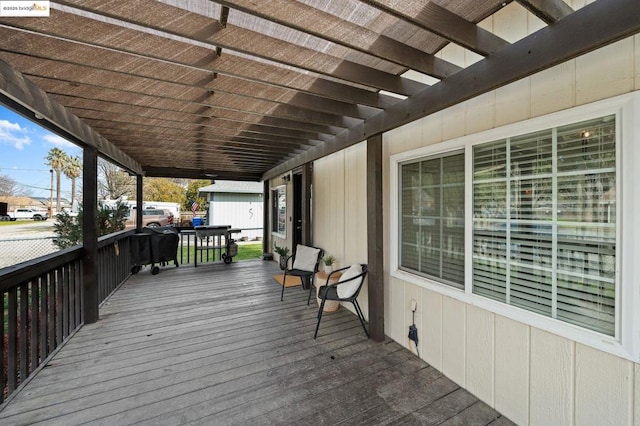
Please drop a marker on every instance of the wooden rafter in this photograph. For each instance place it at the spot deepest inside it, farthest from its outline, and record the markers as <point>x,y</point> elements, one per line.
<point>549,11</point>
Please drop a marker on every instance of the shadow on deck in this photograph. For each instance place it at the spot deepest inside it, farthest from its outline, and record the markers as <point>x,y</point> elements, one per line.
<point>214,345</point>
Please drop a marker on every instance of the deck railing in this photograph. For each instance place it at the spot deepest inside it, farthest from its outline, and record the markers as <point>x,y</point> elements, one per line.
<point>41,300</point>
<point>41,305</point>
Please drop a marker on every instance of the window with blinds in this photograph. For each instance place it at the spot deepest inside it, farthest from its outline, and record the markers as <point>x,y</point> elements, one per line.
<point>544,222</point>
<point>432,218</point>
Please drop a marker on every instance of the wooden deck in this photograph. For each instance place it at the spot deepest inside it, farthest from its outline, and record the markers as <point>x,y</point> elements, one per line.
<point>214,345</point>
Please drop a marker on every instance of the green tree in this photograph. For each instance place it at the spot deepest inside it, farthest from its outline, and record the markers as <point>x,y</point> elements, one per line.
<point>68,229</point>
<point>56,159</point>
<point>161,189</point>
<point>192,194</point>
<point>72,169</point>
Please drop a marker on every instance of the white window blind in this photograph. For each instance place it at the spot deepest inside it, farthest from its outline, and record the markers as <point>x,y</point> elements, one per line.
<point>432,218</point>
<point>544,232</point>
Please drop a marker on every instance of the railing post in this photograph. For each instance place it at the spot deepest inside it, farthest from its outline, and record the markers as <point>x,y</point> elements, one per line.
<point>90,298</point>
<point>139,203</point>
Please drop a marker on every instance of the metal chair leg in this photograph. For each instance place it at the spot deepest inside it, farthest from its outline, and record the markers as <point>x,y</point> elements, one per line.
<point>360,316</point>
<point>284,281</point>
<point>319,318</point>
<point>311,286</point>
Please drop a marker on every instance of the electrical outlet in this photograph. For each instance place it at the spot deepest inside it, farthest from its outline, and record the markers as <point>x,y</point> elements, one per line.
<point>414,305</point>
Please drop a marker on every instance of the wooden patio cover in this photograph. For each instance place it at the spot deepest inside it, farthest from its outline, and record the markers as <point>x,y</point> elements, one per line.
<point>247,90</point>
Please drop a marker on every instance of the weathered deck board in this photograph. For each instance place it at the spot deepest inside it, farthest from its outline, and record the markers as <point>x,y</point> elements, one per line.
<point>214,345</point>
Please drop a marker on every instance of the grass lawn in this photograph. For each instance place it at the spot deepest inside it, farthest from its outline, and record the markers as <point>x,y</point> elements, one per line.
<point>249,252</point>
<point>14,222</point>
<point>245,252</point>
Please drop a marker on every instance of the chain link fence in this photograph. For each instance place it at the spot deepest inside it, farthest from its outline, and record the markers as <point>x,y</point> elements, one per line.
<point>17,250</point>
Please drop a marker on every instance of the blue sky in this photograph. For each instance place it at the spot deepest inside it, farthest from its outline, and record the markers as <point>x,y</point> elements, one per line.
<point>23,148</point>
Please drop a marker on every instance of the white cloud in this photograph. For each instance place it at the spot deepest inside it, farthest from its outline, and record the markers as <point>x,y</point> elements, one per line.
<point>14,135</point>
<point>59,141</point>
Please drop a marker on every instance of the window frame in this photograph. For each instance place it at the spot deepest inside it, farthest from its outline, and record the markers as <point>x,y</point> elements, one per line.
<point>626,341</point>
<point>441,186</point>
<point>276,230</point>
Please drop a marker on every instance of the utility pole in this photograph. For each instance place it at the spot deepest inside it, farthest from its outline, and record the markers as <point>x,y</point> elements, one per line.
<point>51,195</point>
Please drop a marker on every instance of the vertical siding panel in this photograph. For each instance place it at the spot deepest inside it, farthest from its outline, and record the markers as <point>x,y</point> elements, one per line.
<point>355,203</point>
<point>339,213</point>
<point>479,113</point>
<point>432,129</point>
<point>430,330</point>
<point>512,102</point>
<point>636,395</point>
<point>393,310</point>
<point>480,345</point>
<point>453,53</point>
<point>604,388</point>
<point>552,378</point>
<point>412,292</point>
<point>605,72</point>
<point>451,119</point>
<point>453,340</point>
<point>404,138</point>
<point>554,89</point>
<point>511,23</point>
<point>636,62</point>
<point>321,189</point>
<point>512,370</point>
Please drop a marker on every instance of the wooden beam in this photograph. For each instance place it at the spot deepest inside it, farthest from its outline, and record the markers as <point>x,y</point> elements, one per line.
<point>24,97</point>
<point>375,240</point>
<point>233,66</point>
<point>247,42</point>
<point>550,11</point>
<point>116,77</point>
<point>608,21</point>
<point>200,174</point>
<point>384,47</point>
<point>441,21</point>
<point>90,290</point>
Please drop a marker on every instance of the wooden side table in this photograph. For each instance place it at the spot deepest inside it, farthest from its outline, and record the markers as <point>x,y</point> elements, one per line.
<point>321,280</point>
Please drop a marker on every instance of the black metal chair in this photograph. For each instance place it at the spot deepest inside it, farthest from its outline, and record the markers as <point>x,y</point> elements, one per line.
<point>345,290</point>
<point>304,264</point>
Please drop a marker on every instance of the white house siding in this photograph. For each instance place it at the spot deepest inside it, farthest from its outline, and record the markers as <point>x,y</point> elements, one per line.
<point>530,375</point>
<point>340,208</point>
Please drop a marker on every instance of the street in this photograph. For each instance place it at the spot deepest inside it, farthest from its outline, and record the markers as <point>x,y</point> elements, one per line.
<point>20,242</point>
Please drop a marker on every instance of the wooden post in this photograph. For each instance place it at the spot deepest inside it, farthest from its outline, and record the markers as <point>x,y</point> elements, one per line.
<point>266,248</point>
<point>90,235</point>
<point>375,242</point>
<point>139,203</point>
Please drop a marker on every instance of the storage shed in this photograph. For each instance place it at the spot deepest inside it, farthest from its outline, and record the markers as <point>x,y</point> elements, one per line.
<point>235,203</point>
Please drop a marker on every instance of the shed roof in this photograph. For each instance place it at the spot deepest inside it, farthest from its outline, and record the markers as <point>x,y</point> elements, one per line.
<point>233,187</point>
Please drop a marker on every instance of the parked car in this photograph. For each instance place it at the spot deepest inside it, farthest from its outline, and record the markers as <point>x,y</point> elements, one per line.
<point>24,214</point>
<point>4,214</point>
<point>151,218</point>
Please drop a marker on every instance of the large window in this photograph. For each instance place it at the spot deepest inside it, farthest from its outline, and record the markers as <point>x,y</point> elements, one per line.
<point>544,232</point>
<point>432,224</point>
<point>522,223</point>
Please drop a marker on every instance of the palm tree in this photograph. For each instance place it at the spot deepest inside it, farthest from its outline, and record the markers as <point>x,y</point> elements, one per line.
<point>72,170</point>
<point>56,159</point>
